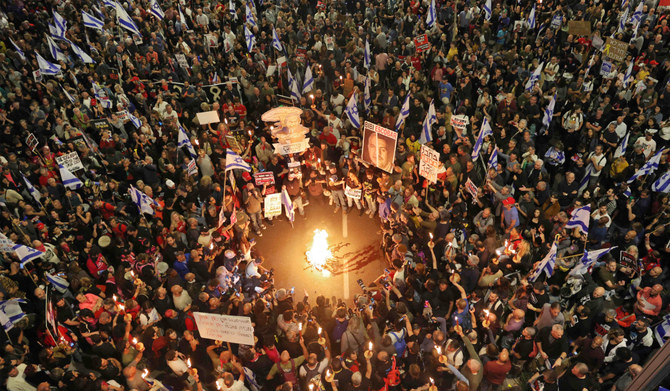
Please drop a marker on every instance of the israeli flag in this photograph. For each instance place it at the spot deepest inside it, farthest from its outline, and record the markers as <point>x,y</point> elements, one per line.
<point>47,68</point>
<point>25,253</point>
<point>622,22</point>
<point>83,56</point>
<point>97,10</point>
<point>18,50</point>
<point>555,156</point>
<point>58,282</point>
<point>531,18</point>
<point>366,55</point>
<point>308,84</point>
<point>142,201</point>
<point>662,331</point>
<point>404,113</point>
<point>484,131</point>
<point>288,205</point>
<point>109,3</point>
<point>431,118</point>
<point>546,265</point>
<point>69,180</point>
<point>125,20</point>
<point>276,43</point>
<point>580,219</point>
<point>101,96</point>
<point>623,145</point>
<point>549,112</point>
<point>235,161</point>
<point>367,99</point>
<point>135,121</point>
<point>91,21</point>
<point>432,13</point>
<point>662,185</point>
<point>61,26</point>
<point>649,167</point>
<point>250,38</point>
<point>587,261</point>
<point>534,77</point>
<point>11,313</point>
<point>31,189</point>
<point>67,94</point>
<point>182,19</point>
<point>293,85</point>
<point>250,17</point>
<point>352,111</point>
<point>628,75</point>
<point>56,53</point>
<point>637,14</point>
<point>493,159</point>
<point>231,8</point>
<point>584,183</point>
<point>156,10</point>
<point>185,141</point>
<point>487,9</point>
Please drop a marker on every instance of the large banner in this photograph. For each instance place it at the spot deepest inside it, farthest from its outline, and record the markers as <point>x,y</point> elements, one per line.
<point>227,328</point>
<point>379,146</point>
<point>285,149</point>
<point>213,91</point>
<point>429,163</point>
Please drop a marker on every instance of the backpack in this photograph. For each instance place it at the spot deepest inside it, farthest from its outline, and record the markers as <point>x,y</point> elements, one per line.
<point>289,375</point>
<point>400,345</point>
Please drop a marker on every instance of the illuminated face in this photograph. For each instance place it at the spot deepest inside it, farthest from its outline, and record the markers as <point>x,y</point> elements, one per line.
<point>378,151</point>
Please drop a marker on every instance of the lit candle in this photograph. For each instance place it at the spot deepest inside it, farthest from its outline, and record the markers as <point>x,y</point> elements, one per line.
<point>122,307</point>
<point>250,133</point>
<point>188,362</point>
<point>197,142</point>
<point>368,353</point>
<point>211,246</point>
<point>311,386</point>
<point>134,341</point>
<point>438,350</point>
<point>431,236</point>
<point>311,97</point>
<point>300,327</point>
<point>319,330</point>
<point>144,377</point>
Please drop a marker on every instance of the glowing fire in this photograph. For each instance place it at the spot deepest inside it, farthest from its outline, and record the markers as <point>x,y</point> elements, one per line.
<point>319,254</point>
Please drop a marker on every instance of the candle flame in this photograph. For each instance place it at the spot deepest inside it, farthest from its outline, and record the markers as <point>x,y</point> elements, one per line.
<point>319,330</point>
<point>146,372</point>
<point>211,246</point>
<point>439,350</point>
<point>370,346</point>
<point>311,386</point>
<point>114,297</point>
<point>431,380</point>
<point>122,307</point>
<point>431,236</point>
<point>300,326</point>
<point>134,341</point>
<point>188,362</point>
<point>218,386</point>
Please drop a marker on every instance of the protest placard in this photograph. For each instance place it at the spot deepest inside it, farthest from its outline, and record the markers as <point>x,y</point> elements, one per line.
<point>429,163</point>
<point>192,168</point>
<point>460,122</point>
<point>31,141</point>
<point>181,60</point>
<point>615,49</point>
<point>285,149</point>
<point>379,145</point>
<point>70,161</point>
<point>208,117</point>
<point>353,193</point>
<point>272,205</point>
<point>261,178</point>
<point>471,188</point>
<point>227,328</point>
<point>579,27</point>
<point>421,43</point>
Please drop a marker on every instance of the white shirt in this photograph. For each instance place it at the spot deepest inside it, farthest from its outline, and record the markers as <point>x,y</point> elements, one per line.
<point>600,160</point>
<point>18,382</point>
<point>597,216</point>
<point>237,386</point>
<point>620,129</point>
<point>178,366</point>
<point>648,146</point>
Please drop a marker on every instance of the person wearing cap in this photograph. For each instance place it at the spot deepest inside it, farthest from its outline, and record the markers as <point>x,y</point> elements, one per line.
<point>509,217</point>
<point>647,143</point>
<point>252,199</point>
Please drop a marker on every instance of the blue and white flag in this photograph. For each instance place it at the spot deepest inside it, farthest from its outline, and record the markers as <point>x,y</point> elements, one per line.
<point>18,50</point>
<point>143,201</point>
<point>67,94</point>
<point>628,75</point>
<point>637,14</point>
<point>584,183</point>
<point>134,120</point>
<point>249,38</point>
<point>26,254</point>
<point>31,189</point>
<point>426,129</point>
<point>59,283</point>
<point>235,161</point>
<point>649,167</point>
<point>292,85</point>
<point>546,265</point>
<point>352,111</point>
<point>431,17</point>
<point>47,68</point>
<point>11,313</point>
<point>488,10</point>
<point>531,18</point>
<point>125,20</point>
<point>662,184</point>
<point>534,77</point>
<point>288,205</point>
<point>623,145</point>
<point>56,53</point>
<point>185,141</point>
<point>549,112</point>
<point>156,10</point>
<point>250,16</point>
<point>91,21</point>
<point>404,113</point>
<point>81,54</point>
<point>182,19</point>
<point>493,159</point>
<point>61,26</point>
<point>366,55</point>
<point>554,156</point>
<point>587,261</point>
<point>580,219</point>
<point>69,180</point>
<point>484,131</point>
<point>109,3</point>
<point>276,43</point>
<point>622,21</point>
<point>367,99</point>
<point>231,8</point>
<point>308,84</point>
<point>662,331</point>
<point>101,16</point>
<point>101,96</point>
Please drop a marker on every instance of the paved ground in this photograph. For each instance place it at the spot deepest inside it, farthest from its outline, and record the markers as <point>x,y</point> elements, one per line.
<point>353,239</point>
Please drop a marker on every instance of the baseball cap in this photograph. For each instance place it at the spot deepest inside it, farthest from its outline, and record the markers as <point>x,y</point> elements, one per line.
<point>509,201</point>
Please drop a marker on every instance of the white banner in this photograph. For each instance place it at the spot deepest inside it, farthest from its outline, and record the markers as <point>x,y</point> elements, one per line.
<point>460,122</point>
<point>429,163</point>
<point>227,328</point>
<point>285,149</point>
<point>272,205</point>
<point>353,193</point>
<point>70,161</point>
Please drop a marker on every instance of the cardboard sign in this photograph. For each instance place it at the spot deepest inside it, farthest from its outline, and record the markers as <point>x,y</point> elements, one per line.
<point>285,149</point>
<point>227,328</point>
<point>208,117</point>
<point>460,122</point>
<point>615,49</point>
<point>605,68</point>
<point>353,193</point>
<point>70,161</point>
<point>421,43</point>
<point>272,205</point>
<point>379,146</point>
<point>628,260</point>
<point>429,163</point>
<point>37,75</point>
<point>181,60</point>
<point>123,115</point>
<point>579,27</point>
<point>6,245</point>
<point>271,70</point>
<point>261,178</point>
<point>192,167</point>
<point>32,141</point>
<point>100,124</point>
<point>471,188</point>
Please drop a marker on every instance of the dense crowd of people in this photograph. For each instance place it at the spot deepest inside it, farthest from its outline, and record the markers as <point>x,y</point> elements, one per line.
<point>483,289</point>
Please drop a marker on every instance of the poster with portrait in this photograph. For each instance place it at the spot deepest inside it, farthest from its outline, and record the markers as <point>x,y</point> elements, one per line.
<point>379,146</point>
